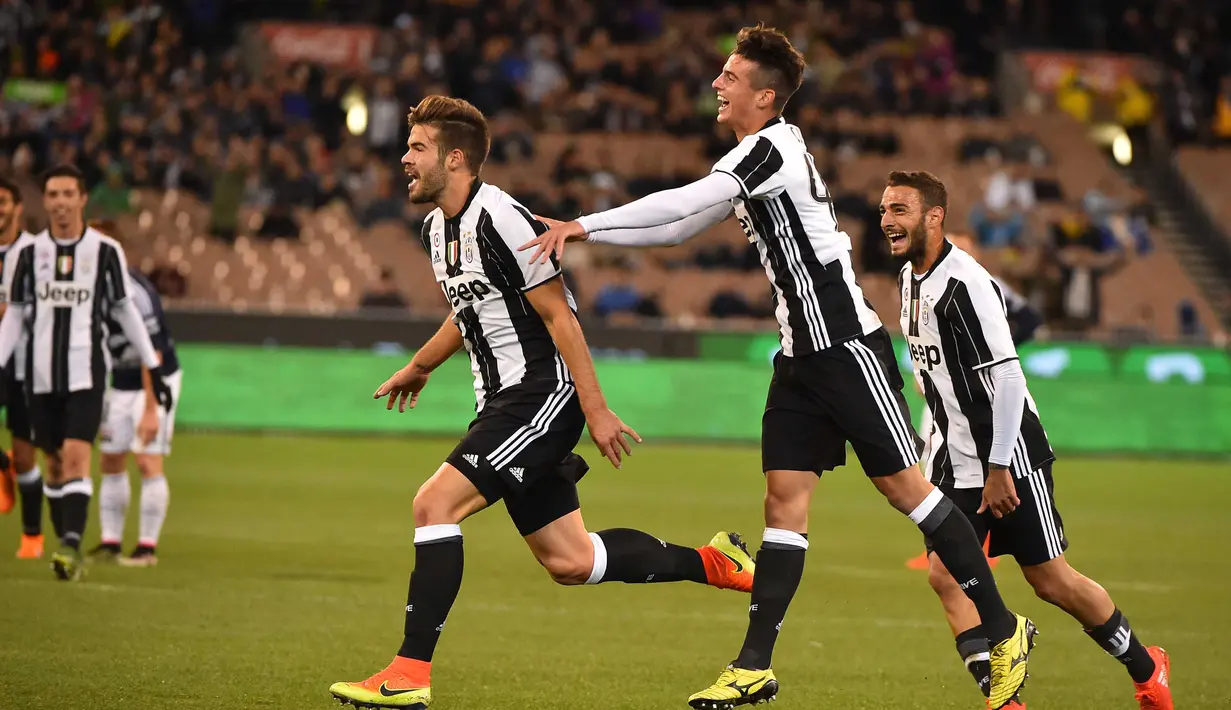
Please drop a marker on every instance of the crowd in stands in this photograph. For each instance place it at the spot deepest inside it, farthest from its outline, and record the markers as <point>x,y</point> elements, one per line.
<point>159,95</point>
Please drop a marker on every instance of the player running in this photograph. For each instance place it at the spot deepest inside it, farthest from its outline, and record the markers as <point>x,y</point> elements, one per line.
<point>64,282</point>
<point>535,389</point>
<point>836,379</point>
<point>989,452</point>
<point>133,422</point>
<point>1023,321</point>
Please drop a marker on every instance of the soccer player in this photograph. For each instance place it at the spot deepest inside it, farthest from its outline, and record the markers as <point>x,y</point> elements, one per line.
<point>133,422</point>
<point>989,452</point>
<point>23,469</point>
<point>535,389</point>
<point>1024,320</point>
<point>67,280</point>
<point>836,379</point>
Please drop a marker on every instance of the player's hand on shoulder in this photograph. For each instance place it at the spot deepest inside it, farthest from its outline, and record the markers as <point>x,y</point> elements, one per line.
<point>551,243</point>
<point>404,387</point>
<point>999,493</point>
<point>608,433</point>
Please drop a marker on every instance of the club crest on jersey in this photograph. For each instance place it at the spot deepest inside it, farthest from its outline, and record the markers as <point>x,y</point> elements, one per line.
<point>451,252</point>
<point>925,311</point>
<point>436,240</point>
<point>64,264</point>
<point>468,246</point>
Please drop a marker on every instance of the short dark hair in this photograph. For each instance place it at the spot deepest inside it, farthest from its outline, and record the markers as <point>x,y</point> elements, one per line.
<point>11,187</point>
<point>64,171</point>
<point>781,65</point>
<point>932,192</point>
<point>462,127</point>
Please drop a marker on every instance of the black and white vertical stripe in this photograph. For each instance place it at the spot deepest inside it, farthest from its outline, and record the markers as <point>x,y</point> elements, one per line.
<point>503,454</point>
<point>887,401</point>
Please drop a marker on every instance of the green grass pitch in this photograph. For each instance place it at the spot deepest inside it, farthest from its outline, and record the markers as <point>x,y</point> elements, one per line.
<point>285,560</point>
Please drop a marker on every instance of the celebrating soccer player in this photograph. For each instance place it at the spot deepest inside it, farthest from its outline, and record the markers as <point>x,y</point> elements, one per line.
<point>835,380</point>
<point>535,389</point>
<point>64,282</point>
<point>989,452</point>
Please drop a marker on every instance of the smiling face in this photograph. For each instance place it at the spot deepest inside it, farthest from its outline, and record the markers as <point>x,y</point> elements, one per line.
<point>10,213</point>
<point>424,163</point>
<point>903,220</point>
<point>65,202</point>
<point>739,101</point>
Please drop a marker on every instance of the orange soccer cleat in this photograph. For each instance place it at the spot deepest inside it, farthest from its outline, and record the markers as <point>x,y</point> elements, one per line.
<point>727,563</point>
<point>921,563</point>
<point>31,547</point>
<point>1014,704</point>
<point>8,493</point>
<point>1155,693</point>
<point>404,683</point>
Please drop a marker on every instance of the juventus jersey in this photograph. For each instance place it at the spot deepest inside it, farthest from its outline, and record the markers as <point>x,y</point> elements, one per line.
<point>125,359</point>
<point>787,212</point>
<point>68,288</point>
<point>484,278</point>
<point>8,265</point>
<point>954,319</point>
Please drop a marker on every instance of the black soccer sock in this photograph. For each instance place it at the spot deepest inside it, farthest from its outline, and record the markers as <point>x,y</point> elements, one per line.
<point>75,507</point>
<point>634,557</point>
<point>434,585</point>
<point>955,543</point>
<point>1117,638</point>
<point>972,646</point>
<point>30,486</point>
<point>780,566</point>
<point>55,503</point>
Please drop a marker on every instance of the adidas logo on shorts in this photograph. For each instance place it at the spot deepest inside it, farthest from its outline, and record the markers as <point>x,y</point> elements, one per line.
<point>517,472</point>
<point>472,459</point>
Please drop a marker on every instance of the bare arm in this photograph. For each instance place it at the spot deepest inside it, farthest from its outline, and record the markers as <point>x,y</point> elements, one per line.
<point>550,302</point>
<point>439,348</point>
<point>406,383</point>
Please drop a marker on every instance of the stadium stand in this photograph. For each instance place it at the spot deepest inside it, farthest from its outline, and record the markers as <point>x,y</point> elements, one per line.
<point>248,183</point>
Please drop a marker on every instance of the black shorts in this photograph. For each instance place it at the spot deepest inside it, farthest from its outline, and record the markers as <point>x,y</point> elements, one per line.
<point>520,449</point>
<point>1033,533</point>
<point>16,408</point>
<point>56,417</point>
<point>849,392</point>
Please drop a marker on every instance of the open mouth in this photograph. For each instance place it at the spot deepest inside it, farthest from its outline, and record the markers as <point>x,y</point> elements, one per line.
<point>897,239</point>
<point>723,104</point>
<point>413,180</point>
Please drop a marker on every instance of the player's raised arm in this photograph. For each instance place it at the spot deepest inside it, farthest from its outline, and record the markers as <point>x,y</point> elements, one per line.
<point>551,303</point>
<point>406,383</point>
<point>707,199</point>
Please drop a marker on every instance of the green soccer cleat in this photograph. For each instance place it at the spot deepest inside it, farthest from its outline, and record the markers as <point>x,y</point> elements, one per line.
<point>68,564</point>
<point>1008,661</point>
<point>737,686</point>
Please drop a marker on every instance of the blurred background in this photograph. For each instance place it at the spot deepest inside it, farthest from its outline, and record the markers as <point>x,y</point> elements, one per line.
<point>249,153</point>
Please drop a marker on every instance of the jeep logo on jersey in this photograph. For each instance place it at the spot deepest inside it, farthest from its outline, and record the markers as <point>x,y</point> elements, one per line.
<point>928,356</point>
<point>64,294</point>
<point>466,292</point>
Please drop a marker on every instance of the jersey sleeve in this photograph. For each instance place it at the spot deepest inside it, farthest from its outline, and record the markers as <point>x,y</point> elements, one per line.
<point>17,277</point>
<point>977,311</point>
<point>757,164</point>
<point>504,230</point>
<point>115,275</point>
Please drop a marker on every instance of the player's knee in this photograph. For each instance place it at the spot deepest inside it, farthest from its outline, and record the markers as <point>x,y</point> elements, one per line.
<point>786,508</point>
<point>1054,588</point>
<point>112,463</point>
<point>149,466</point>
<point>940,579</point>
<point>23,457</point>
<point>569,570</point>
<point>431,508</point>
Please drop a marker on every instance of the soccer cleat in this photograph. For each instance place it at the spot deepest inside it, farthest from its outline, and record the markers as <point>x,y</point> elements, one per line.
<point>727,562</point>
<point>737,686</point>
<point>105,552</point>
<point>68,564</point>
<point>922,564</point>
<point>1014,704</point>
<point>1008,660</point>
<point>1155,693</point>
<point>391,688</point>
<point>31,547</point>
<point>8,492</point>
<point>141,557</point>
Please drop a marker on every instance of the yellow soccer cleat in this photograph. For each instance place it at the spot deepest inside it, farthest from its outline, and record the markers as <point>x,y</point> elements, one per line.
<point>391,688</point>
<point>68,564</point>
<point>728,565</point>
<point>1008,660</point>
<point>737,686</point>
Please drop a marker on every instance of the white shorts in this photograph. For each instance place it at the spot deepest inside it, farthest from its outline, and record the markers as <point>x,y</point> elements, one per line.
<point>122,412</point>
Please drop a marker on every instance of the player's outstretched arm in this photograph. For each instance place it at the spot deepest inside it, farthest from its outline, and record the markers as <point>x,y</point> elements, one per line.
<point>715,190</point>
<point>405,384</point>
<point>605,427</point>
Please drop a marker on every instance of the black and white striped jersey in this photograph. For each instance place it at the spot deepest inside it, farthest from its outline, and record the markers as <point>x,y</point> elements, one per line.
<point>954,320</point>
<point>68,288</point>
<point>787,212</point>
<point>8,266</point>
<point>485,279</point>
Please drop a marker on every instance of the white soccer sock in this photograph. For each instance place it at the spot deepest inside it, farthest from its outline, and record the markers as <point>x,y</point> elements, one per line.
<point>155,497</point>
<point>114,495</point>
<point>600,560</point>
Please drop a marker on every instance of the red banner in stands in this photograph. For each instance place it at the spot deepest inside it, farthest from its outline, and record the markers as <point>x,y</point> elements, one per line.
<point>332,45</point>
<point>1101,72</point>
